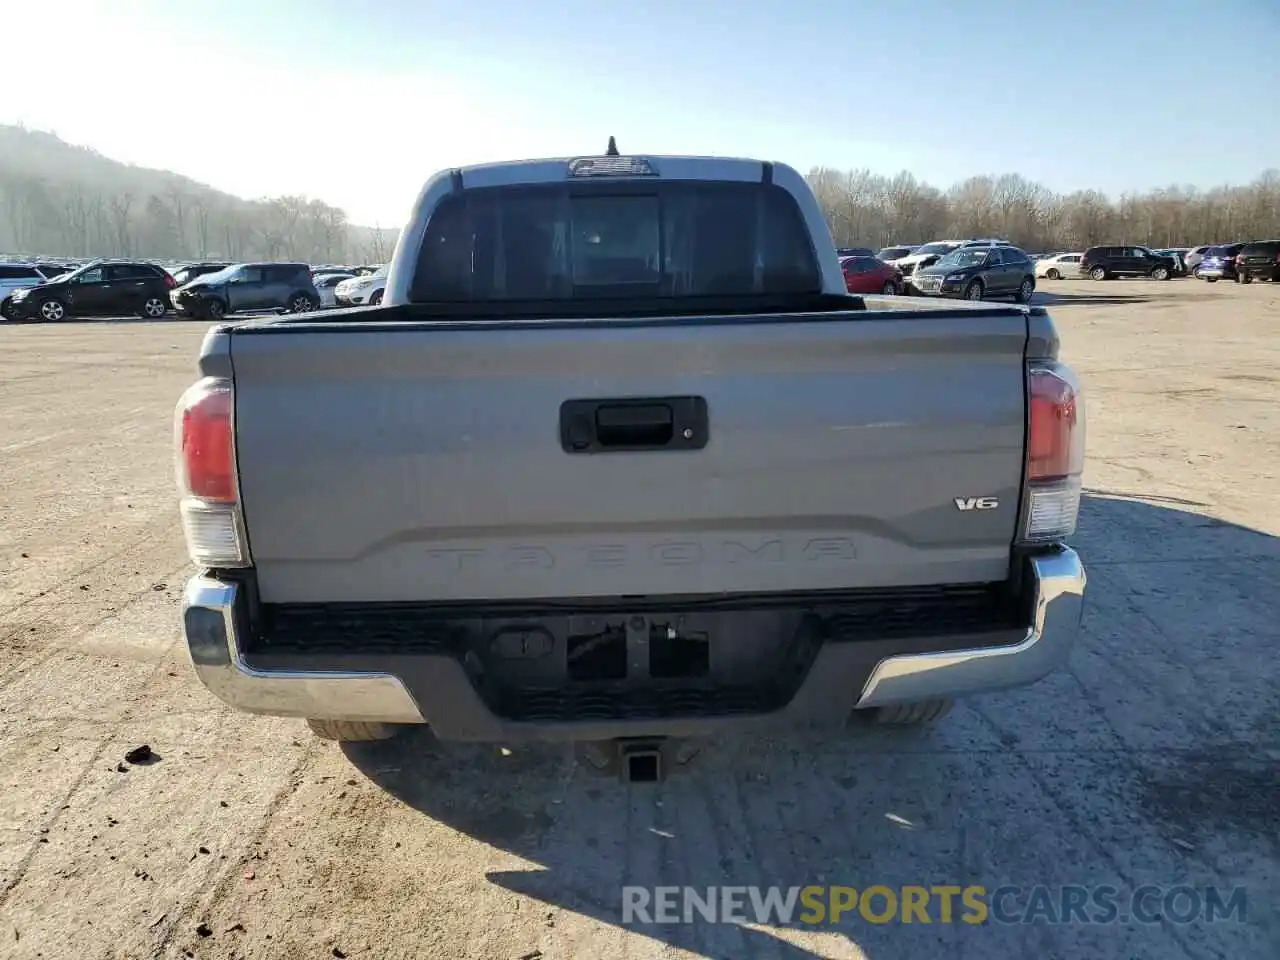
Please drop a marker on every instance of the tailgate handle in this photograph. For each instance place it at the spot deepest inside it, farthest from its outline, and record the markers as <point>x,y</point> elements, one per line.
<point>650,423</point>
<point>623,425</point>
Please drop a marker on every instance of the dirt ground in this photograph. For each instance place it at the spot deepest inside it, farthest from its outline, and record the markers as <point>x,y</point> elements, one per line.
<point>1154,758</point>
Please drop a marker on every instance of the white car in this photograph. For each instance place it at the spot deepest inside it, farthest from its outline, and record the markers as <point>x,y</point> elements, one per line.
<point>926,255</point>
<point>361,291</point>
<point>1058,266</point>
<point>327,285</point>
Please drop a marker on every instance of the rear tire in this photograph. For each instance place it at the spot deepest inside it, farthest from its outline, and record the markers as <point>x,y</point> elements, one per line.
<point>1053,275</point>
<point>1098,273</point>
<point>301,303</point>
<point>153,308</point>
<point>912,714</point>
<point>347,731</point>
<point>1210,279</point>
<point>1244,278</point>
<point>1196,272</point>
<point>1159,273</point>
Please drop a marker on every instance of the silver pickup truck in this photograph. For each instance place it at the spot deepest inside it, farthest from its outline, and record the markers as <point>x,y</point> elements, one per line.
<point>618,462</point>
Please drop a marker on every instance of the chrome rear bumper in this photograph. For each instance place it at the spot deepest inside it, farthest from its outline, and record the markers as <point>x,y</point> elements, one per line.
<point>215,618</point>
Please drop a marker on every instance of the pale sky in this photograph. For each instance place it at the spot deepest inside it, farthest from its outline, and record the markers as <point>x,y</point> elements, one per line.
<point>358,103</point>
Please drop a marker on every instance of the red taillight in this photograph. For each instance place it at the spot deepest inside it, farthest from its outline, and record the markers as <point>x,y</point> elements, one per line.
<point>1239,259</point>
<point>206,468</point>
<point>170,282</point>
<point>208,451</point>
<point>1055,453</point>
<point>1053,449</point>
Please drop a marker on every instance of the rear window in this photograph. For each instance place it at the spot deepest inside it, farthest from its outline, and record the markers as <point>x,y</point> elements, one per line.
<point>8,272</point>
<point>613,241</point>
<point>894,253</point>
<point>287,273</point>
<point>858,264</point>
<point>1267,247</point>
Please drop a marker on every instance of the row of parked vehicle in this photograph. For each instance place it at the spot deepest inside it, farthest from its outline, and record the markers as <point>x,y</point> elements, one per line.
<point>967,269</point>
<point>1245,262</point>
<point>207,290</point>
<point>1003,269</point>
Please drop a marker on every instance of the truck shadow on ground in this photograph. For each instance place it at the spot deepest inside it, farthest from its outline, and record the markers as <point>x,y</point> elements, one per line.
<point>1043,298</point>
<point>994,794</point>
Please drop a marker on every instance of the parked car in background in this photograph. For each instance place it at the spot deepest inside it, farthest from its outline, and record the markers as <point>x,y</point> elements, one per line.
<point>855,252</point>
<point>283,287</point>
<point>1059,265</point>
<point>1176,255</point>
<point>1219,263</point>
<point>188,272</point>
<point>326,283</point>
<point>1259,261</point>
<point>1107,263</point>
<point>1193,257</point>
<point>925,255</point>
<point>16,276</point>
<point>362,291</point>
<point>51,270</point>
<point>870,275</point>
<point>102,288</point>
<point>977,273</point>
<point>891,254</point>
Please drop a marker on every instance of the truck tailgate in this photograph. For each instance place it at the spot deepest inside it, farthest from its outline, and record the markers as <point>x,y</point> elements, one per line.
<point>418,462</point>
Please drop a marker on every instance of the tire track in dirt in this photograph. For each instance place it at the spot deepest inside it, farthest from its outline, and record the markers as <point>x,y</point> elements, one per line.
<point>67,614</point>
<point>205,903</point>
<point>63,641</point>
<point>152,531</point>
<point>140,685</point>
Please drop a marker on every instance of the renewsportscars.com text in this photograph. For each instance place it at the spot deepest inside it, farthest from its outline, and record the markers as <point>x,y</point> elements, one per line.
<point>940,903</point>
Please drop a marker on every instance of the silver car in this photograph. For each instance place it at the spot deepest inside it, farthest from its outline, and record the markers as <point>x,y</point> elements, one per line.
<point>1191,259</point>
<point>16,276</point>
<point>326,284</point>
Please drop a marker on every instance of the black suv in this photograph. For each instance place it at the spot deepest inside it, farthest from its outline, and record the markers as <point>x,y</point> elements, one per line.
<point>976,273</point>
<point>188,272</point>
<point>284,287</point>
<point>1259,261</point>
<point>1106,263</point>
<point>103,288</point>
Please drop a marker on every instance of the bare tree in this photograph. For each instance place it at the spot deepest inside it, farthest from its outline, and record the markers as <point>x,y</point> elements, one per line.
<point>378,245</point>
<point>200,213</point>
<point>57,199</point>
<point>865,209</point>
<point>120,205</point>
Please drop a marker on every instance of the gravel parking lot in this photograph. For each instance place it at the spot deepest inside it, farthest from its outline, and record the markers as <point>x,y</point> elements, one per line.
<point>1154,759</point>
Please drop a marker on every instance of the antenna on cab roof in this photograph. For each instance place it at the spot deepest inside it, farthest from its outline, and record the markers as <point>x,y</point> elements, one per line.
<point>612,150</point>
